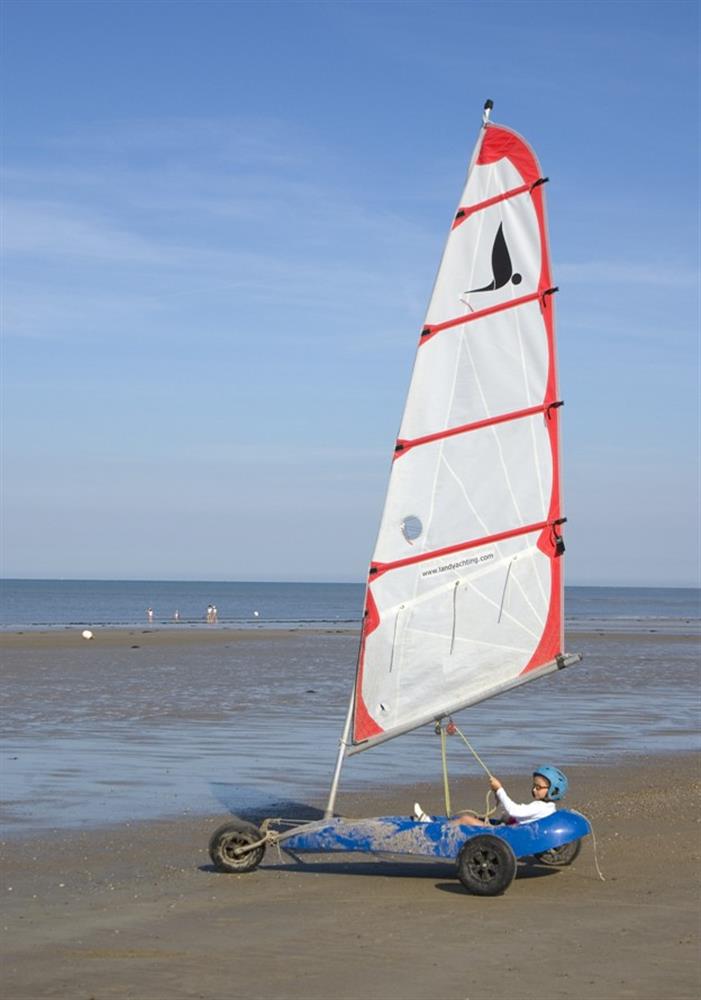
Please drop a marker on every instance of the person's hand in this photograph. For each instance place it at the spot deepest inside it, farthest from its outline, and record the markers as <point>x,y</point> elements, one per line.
<point>494,784</point>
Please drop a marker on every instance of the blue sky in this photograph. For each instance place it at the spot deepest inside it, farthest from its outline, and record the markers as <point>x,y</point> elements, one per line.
<point>222,223</point>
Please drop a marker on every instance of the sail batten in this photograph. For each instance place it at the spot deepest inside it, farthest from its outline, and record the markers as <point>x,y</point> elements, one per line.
<point>464,592</point>
<point>465,210</point>
<point>500,536</point>
<point>403,446</point>
<point>430,330</point>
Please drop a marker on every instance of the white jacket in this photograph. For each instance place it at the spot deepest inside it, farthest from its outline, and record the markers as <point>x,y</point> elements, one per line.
<point>525,812</point>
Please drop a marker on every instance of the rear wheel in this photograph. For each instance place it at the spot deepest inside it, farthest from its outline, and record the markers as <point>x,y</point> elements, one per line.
<point>486,865</point>
<point>560,857</point>
<point>226,843</point>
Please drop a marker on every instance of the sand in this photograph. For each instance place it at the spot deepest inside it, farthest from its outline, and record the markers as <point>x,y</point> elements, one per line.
<point>137,912</point>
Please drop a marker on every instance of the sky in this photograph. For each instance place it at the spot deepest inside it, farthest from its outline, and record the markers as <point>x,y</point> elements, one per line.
<point>221,226</point>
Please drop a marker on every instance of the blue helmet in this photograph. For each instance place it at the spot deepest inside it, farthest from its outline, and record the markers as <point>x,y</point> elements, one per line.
<point>558,782</point>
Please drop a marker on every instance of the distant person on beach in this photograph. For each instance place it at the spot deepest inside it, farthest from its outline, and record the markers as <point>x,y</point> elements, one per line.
<point>549,786</point>
<point>214,614</point>
<point>210,614</point>
<point>176,615</point>
<point>149,614</point>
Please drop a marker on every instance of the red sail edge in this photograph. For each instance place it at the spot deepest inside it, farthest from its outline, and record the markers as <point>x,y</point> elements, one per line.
<point>499,143</point>
<point>364,726</point>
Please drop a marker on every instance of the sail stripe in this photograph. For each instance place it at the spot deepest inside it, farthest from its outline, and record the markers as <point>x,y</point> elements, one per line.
<point>376,569</point>
<point>430,330</point>
<point>403,445</point>
<point>465,211</point>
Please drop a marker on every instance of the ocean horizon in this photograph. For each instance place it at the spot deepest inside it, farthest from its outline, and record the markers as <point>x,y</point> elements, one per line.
<point>29,603</point>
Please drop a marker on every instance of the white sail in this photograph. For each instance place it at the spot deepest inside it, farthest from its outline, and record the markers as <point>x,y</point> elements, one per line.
<point>464,595</point>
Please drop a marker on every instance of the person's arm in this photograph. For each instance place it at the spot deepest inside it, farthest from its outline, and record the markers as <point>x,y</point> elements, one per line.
<point>521,811</point>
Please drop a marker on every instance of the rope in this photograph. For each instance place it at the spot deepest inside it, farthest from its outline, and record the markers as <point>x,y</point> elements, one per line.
<point>489,809</point>
<point>596,859</point>
<point>473,751</point>
<point>446,785</point>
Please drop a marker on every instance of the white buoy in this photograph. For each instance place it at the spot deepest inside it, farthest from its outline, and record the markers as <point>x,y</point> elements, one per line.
<point>87,634</point>
<point>256,614</point>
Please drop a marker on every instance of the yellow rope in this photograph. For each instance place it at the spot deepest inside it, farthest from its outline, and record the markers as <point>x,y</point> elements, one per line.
<point>446,784</point>
<point>473,751</point>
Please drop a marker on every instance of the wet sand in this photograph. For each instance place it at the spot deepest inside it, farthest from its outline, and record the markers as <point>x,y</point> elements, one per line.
<point>141,723</point>
<point>126,638</point>
<point>64,637</point>
<point>136,911</point>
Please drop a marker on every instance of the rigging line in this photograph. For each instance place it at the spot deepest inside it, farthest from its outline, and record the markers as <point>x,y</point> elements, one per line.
<point>503,593</point>
<point>444,758</point>
<point>473,751</point>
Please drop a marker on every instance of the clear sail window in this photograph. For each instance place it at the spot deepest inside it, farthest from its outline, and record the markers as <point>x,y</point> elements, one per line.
<point>412,528</point>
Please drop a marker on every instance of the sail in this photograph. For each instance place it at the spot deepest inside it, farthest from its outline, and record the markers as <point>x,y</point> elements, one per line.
<point>464,594</point>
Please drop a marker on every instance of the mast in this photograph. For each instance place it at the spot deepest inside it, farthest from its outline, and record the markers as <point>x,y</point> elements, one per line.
<point>331,803</point>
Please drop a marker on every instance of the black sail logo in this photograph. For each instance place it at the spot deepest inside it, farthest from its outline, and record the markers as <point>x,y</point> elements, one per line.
<point>502,268</point>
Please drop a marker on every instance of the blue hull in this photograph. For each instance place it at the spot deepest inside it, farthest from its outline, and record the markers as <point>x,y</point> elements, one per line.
<point>438,839</point>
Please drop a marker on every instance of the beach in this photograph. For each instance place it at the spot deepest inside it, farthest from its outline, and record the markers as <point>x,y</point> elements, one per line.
<point>137,911</point>
<point>108,887</point>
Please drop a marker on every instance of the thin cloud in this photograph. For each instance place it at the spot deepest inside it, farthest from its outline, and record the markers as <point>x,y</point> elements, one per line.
<point>646,273</point>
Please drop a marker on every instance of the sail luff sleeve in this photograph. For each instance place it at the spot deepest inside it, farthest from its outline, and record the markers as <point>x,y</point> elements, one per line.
<point>464,594</point>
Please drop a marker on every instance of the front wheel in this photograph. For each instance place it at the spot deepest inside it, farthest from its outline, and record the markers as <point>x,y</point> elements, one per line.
<point>226,843</point>
<point>560,857</point>
<point>486,865</point>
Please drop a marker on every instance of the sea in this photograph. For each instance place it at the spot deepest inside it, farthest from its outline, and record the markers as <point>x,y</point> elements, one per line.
<point>27,604</point>
<point>96,734</point>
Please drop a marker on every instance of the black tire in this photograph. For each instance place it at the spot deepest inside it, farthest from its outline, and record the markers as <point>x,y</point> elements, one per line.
<point>486,865</point>
<point>560,857</point>
<point>225,841</point>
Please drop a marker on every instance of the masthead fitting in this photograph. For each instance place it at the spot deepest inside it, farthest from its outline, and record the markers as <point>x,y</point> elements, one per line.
<point>488,105</point>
